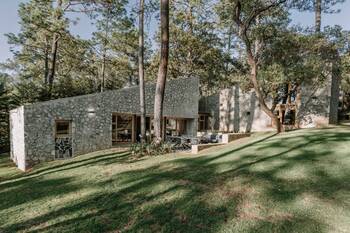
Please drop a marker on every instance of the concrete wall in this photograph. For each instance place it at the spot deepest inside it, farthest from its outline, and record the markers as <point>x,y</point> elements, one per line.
<point>17,137</point>
<point>236,111</point>
<point>91,117</point>
<point>335,98</point>
<point>319,106</point>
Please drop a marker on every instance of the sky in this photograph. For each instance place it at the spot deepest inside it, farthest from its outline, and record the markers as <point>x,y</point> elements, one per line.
<point>9,22</point>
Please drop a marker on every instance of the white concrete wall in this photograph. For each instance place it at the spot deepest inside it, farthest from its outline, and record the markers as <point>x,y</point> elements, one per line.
<point>315,105</point>
<point>241,112</point>
<point>18,154</point>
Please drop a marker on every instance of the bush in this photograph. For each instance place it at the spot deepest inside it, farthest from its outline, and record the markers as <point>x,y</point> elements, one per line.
<point>147,149</point>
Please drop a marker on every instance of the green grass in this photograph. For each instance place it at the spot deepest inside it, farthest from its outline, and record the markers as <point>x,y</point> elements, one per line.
<point>293,182</point>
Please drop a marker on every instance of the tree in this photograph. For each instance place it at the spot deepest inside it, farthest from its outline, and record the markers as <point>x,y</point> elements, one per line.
<point>114,42</point>
<point>197,47</point>
<point>341,40</point>
<point>142,71</point>
<point>58,13</point>
<point>6,103</point>
<point>318,11</point>
<point>318,7</point>
<point>34,62</point>
<point>248,16</point>
<point>162,73</point>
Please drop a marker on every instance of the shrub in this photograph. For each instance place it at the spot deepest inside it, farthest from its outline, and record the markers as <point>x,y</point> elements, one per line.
<point>148,149</point>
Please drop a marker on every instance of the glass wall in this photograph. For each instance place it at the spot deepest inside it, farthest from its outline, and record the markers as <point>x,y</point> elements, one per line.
<point>175,126</point>
<point>122,128</point>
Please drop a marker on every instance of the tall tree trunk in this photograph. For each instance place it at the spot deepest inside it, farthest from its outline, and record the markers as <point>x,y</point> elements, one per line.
<point>189,18</point>
<point>297,106</point>
<point>260,96</point>
<point>103,68</point>
<point>54,47</point>
<point>46,71</point>
<point>142,72</point>
<point>162,72</point>
<point>318,12</point>
<point>104,52</point>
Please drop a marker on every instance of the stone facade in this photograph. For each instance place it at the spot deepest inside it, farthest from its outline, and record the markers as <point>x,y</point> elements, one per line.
<point>91,116</point>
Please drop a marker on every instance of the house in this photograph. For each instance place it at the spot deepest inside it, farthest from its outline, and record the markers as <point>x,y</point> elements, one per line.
<point>64,128</point>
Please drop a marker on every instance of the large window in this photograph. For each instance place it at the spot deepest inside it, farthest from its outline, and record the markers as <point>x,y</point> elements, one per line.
<point>175,127</point>
<point>149,128</point>
<point>122,128</point>
<point>203,122</point>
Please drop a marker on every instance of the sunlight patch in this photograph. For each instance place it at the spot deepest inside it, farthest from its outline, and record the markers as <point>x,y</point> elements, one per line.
<point>268,166</point>
<point>294,173</point>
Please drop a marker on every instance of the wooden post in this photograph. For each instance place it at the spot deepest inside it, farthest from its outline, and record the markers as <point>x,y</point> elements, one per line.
<point>133,131</point>
<point>163,128</point>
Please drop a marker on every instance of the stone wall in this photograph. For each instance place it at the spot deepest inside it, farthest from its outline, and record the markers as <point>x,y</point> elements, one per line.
<point>17,137</point>
<point>91,117</point>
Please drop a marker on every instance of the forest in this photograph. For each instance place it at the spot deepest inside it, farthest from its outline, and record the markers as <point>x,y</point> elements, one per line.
<point>222,42</point>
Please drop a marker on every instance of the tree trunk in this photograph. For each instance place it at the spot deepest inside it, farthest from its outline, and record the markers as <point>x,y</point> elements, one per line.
<point>142,72</point>
<point>297,107</point>
<point>162,72</point>
<point>46,71</point>
<point>189,18</point>
<point>104,52</point>
<point>260,96</point>
<point>103,68</point>
<point>54,48</point>
<point>318,12</point>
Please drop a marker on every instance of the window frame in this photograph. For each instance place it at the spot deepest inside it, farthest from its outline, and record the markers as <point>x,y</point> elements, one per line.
<point>63,135</point>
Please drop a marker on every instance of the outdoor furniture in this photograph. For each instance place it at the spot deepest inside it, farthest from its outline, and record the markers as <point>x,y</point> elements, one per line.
<point>180,142</point>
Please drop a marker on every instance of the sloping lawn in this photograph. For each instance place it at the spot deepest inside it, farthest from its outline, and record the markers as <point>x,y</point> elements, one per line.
<point>293,182</point>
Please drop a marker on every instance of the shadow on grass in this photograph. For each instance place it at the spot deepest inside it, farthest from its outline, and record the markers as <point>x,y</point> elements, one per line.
<point>116,157</point>
<point>240,190</point>
<point>34,190</point>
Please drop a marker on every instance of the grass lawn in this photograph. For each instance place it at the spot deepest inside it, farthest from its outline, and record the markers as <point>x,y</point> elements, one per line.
<point>293,182</point>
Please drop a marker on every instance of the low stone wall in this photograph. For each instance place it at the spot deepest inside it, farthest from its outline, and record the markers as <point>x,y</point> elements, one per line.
<point>197,148</point>
<point>229,137</point>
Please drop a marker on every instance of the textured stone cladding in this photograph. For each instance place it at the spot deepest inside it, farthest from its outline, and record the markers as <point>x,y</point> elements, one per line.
<point>91,116</point>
